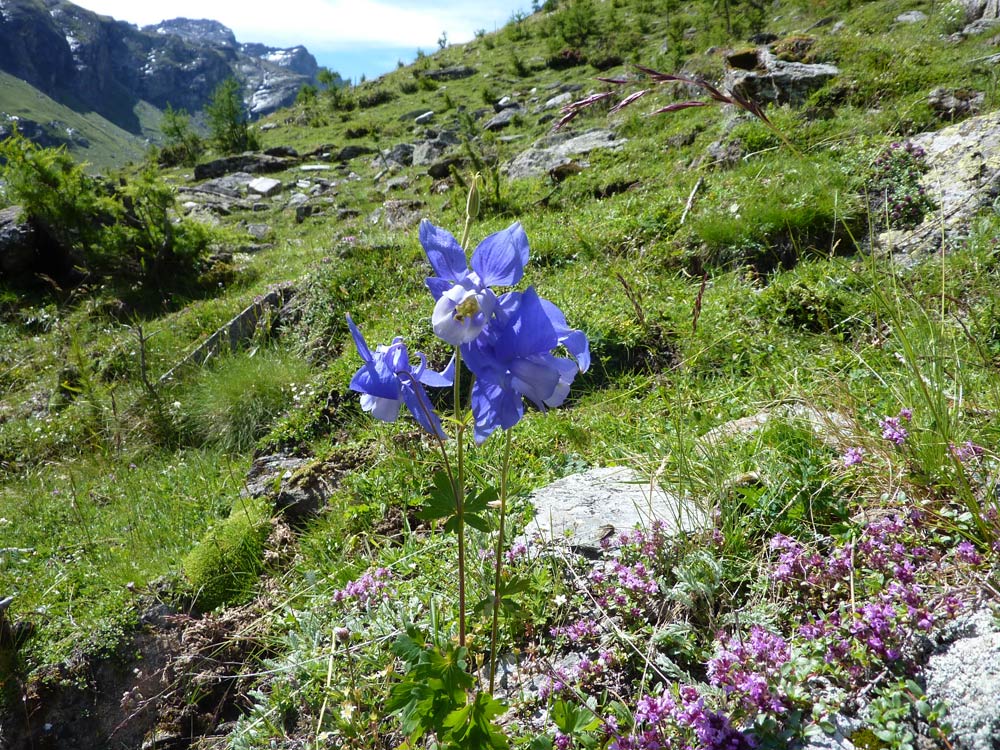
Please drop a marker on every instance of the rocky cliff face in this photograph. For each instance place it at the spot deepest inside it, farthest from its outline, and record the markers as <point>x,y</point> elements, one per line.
<point>85,60</point>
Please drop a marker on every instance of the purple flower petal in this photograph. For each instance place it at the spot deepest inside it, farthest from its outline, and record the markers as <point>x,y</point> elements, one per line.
<point>359,340</point>
<point>437,379</point>
<point>500,258</point>
<point>416,400</point>
<point>493,407</point>
<point>528,331</point>
<point>443,251</point>
<point>574,340</point>
<point>437,286</point>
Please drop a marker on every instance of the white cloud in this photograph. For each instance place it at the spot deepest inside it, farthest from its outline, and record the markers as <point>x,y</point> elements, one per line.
<point>325,23</point>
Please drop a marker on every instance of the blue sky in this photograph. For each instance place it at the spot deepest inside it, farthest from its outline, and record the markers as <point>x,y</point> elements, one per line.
<point>353,37</point>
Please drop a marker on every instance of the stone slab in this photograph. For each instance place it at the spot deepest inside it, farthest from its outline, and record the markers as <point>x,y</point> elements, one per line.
<point>584,508</point>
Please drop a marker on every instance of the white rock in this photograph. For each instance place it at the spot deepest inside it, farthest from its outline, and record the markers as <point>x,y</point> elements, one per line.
<point>584,508</point>
<point>266,186</point>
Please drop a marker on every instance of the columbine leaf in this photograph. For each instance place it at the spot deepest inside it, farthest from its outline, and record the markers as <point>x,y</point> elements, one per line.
<point>472,727</point>
<point>441,501</point>
<point>477,522</point>
<point>481,502</point>
<point>449,666</point>
<point>573,719</point>
<point>409,648</point>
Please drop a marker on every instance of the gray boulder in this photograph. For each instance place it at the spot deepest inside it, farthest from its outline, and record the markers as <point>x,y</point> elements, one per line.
<point>976,10</point>
<point>559,100</point>
<point>401,153</point>
<point>398,214</point>
<point>296,492</point>
<point>248,162</point>
<point>17,243</point>
<point>779,81</point>
<point>504,117</point>
<point>558,150</point>
<point>442,167</point>
<point>963,176</point>
<point>350,152</point>
<point>298,199</point>
<point>911,16</point>
<point>452,73</point>
<point>431,150</point>
<point>228,186</point>
<point>966,676</point>
<point>954,104</point>
<point>582,509</point>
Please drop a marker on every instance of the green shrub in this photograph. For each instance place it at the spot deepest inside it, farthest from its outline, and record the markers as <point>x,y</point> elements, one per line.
<point>375,98</point>
<point>181,144</point>
<point>228,121</point>
<point>225,564</point>
<point>126,230</point>
<point>818,297</point>
<point>896,198</point>
<point>575,24</point>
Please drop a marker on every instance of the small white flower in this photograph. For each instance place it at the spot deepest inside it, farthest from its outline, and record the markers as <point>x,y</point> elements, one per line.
<point>560,600</point>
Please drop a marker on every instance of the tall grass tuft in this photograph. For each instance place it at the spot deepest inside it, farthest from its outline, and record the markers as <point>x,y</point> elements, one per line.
<point>233,405</point>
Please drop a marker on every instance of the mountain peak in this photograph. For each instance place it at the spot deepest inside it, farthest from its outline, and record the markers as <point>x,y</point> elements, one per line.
<point>200,30</point>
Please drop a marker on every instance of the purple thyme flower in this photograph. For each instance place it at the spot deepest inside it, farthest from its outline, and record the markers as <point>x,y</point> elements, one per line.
<point>966,451</point>
<point>464,301</point>
<point>853,456</point>
<point>367,589</point>
<point>387,380</point>
<point>893,431</point>
<point>966,552</point>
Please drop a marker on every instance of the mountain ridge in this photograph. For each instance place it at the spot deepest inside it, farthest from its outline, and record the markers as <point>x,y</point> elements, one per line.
<point>94,63</point>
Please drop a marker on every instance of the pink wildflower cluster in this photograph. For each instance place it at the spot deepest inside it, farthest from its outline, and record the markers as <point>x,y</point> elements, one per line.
<point>631,590</point>
<point>893,429</point>
<point>578,631</point>
<point>630,585</point>
<point>966,452</point>
<point>861,602</point>
<point>370,588</point>
<point>582,675</point>
<point>853,456</point>
<point>749,669</point>
<point>679,719</point>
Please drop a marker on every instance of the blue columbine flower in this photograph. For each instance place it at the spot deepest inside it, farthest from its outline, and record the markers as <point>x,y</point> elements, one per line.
<point>512,359</point>
<point>465,302</point>
<point>387,380</point>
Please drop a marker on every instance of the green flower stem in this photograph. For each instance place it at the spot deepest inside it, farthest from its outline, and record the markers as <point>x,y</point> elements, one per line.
<point>456,480</point>
<point>499,560</point>
<point>458,489</point>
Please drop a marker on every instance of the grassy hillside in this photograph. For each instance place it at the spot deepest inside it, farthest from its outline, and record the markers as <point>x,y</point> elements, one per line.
<point>94,139</point>
<point>711,289</point>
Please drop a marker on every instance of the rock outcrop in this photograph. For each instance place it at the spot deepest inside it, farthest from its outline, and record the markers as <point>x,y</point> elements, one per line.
<point>778,81</point>
<point>963,176</point>
<point>965,674</point>
<point>582,509</point>
<point>557,151</point>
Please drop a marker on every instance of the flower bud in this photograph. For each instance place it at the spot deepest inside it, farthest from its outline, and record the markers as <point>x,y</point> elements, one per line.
<point>472,202</point>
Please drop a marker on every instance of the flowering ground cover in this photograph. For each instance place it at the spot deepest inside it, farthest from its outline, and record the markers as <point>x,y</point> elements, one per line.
<point>722,328</point>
